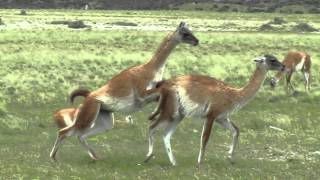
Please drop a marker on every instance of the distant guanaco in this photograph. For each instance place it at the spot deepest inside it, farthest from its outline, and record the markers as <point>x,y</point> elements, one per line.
<point>125,92</point>
<point>294,61</point>
<point>207,98</point>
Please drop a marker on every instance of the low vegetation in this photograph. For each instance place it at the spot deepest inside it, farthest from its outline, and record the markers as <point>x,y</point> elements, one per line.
<point>41,63</point>
<point>304,27</point>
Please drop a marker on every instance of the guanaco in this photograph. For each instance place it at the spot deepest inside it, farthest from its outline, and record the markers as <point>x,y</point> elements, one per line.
<point>294,61</point>
<point>65,117</point>
<point>125,92</point>
<point>207,98</point>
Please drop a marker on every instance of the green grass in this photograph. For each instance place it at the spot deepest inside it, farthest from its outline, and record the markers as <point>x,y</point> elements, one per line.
<point>42,63</point>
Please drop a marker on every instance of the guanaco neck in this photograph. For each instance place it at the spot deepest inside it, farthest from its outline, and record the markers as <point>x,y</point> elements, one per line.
<point>165,48</point>
<point>256,81</point>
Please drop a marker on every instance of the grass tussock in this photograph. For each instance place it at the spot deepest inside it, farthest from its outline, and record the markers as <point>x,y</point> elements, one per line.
<point>304,27</point>
<point>121,23</point>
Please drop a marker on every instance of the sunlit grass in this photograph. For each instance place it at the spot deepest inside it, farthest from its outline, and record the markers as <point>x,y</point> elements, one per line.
<point>39,68</point>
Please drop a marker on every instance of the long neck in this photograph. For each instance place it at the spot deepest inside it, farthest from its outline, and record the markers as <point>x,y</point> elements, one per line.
<point>163,51</point>
<point>256,81</point>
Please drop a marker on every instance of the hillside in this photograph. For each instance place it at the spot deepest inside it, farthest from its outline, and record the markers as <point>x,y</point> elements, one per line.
<point>282,6</point>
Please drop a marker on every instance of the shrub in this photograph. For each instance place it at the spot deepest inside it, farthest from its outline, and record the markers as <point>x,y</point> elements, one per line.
<point>60,22</point>
<point>77,24</point>
<point>271,9</point>
<point>298,12</point>
<point>235,10</point>
<point>314,11</point>
<point>198,9</point>
<point>278,21</point>
<point>1,22</point>
<point>266,27</point>
<point>304,27</point>
<point>23,12</point>
<point>121,23</point>
<point>224,8</point>
<point>254,10</point>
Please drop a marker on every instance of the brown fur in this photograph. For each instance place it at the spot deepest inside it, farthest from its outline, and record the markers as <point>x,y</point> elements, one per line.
<point>78,92</point>
<point>214,100</point>
<point>58,116</point>
<point>121,85</point>
<point>136,78</point>
<point>133,81</point>
<point>292,59</point>
<point>220,95</point>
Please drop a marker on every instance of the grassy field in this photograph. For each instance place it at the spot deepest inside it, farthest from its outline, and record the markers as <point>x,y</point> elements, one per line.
<point>42,63</point>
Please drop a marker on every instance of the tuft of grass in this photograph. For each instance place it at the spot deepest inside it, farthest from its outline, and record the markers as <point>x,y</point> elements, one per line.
<point>77,24</point>
<point>266,27</point>
<point>1,21</point>
<point>121,23</point>
<point>23,12</point>
<point>64,22</point>
<point>304,27</point>
<point>278,21</point>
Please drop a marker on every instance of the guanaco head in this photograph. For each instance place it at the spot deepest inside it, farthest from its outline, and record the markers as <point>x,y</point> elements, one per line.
<point>185,35</point>
<point>270,62</point>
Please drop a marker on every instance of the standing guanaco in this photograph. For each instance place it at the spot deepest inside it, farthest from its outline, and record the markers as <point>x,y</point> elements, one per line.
<point>294,61</point>
<point>207,98</point>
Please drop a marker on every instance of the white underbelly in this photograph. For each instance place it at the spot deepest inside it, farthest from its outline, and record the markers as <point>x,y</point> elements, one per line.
<point>158,77</point>
<point>300,65</point>
<point>123,104</point>
<point>188,107</point>
<point>67,119</point>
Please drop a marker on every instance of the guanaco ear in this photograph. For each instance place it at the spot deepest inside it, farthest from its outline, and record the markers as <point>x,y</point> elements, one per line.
<point>182,25</point>
<point>258,60</point>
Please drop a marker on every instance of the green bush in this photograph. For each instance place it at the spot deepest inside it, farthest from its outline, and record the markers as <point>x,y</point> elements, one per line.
<point>278,21</point>
<point>23,12</point>
<point>266,27</point>
<point>224,8</point>
<point>304,27</point>
<point>314,10</point>
<point>77,24</point>
<point>64,22</point>
<point>271,9</point>
<point>235,10</point>
<point>255,10</point>
<point>298,12</point>
<point>121,23</point>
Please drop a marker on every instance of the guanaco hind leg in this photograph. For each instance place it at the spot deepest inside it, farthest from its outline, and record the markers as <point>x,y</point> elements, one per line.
<point>226,123</point>
<point>307,78</point>
<point>206,131</point>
